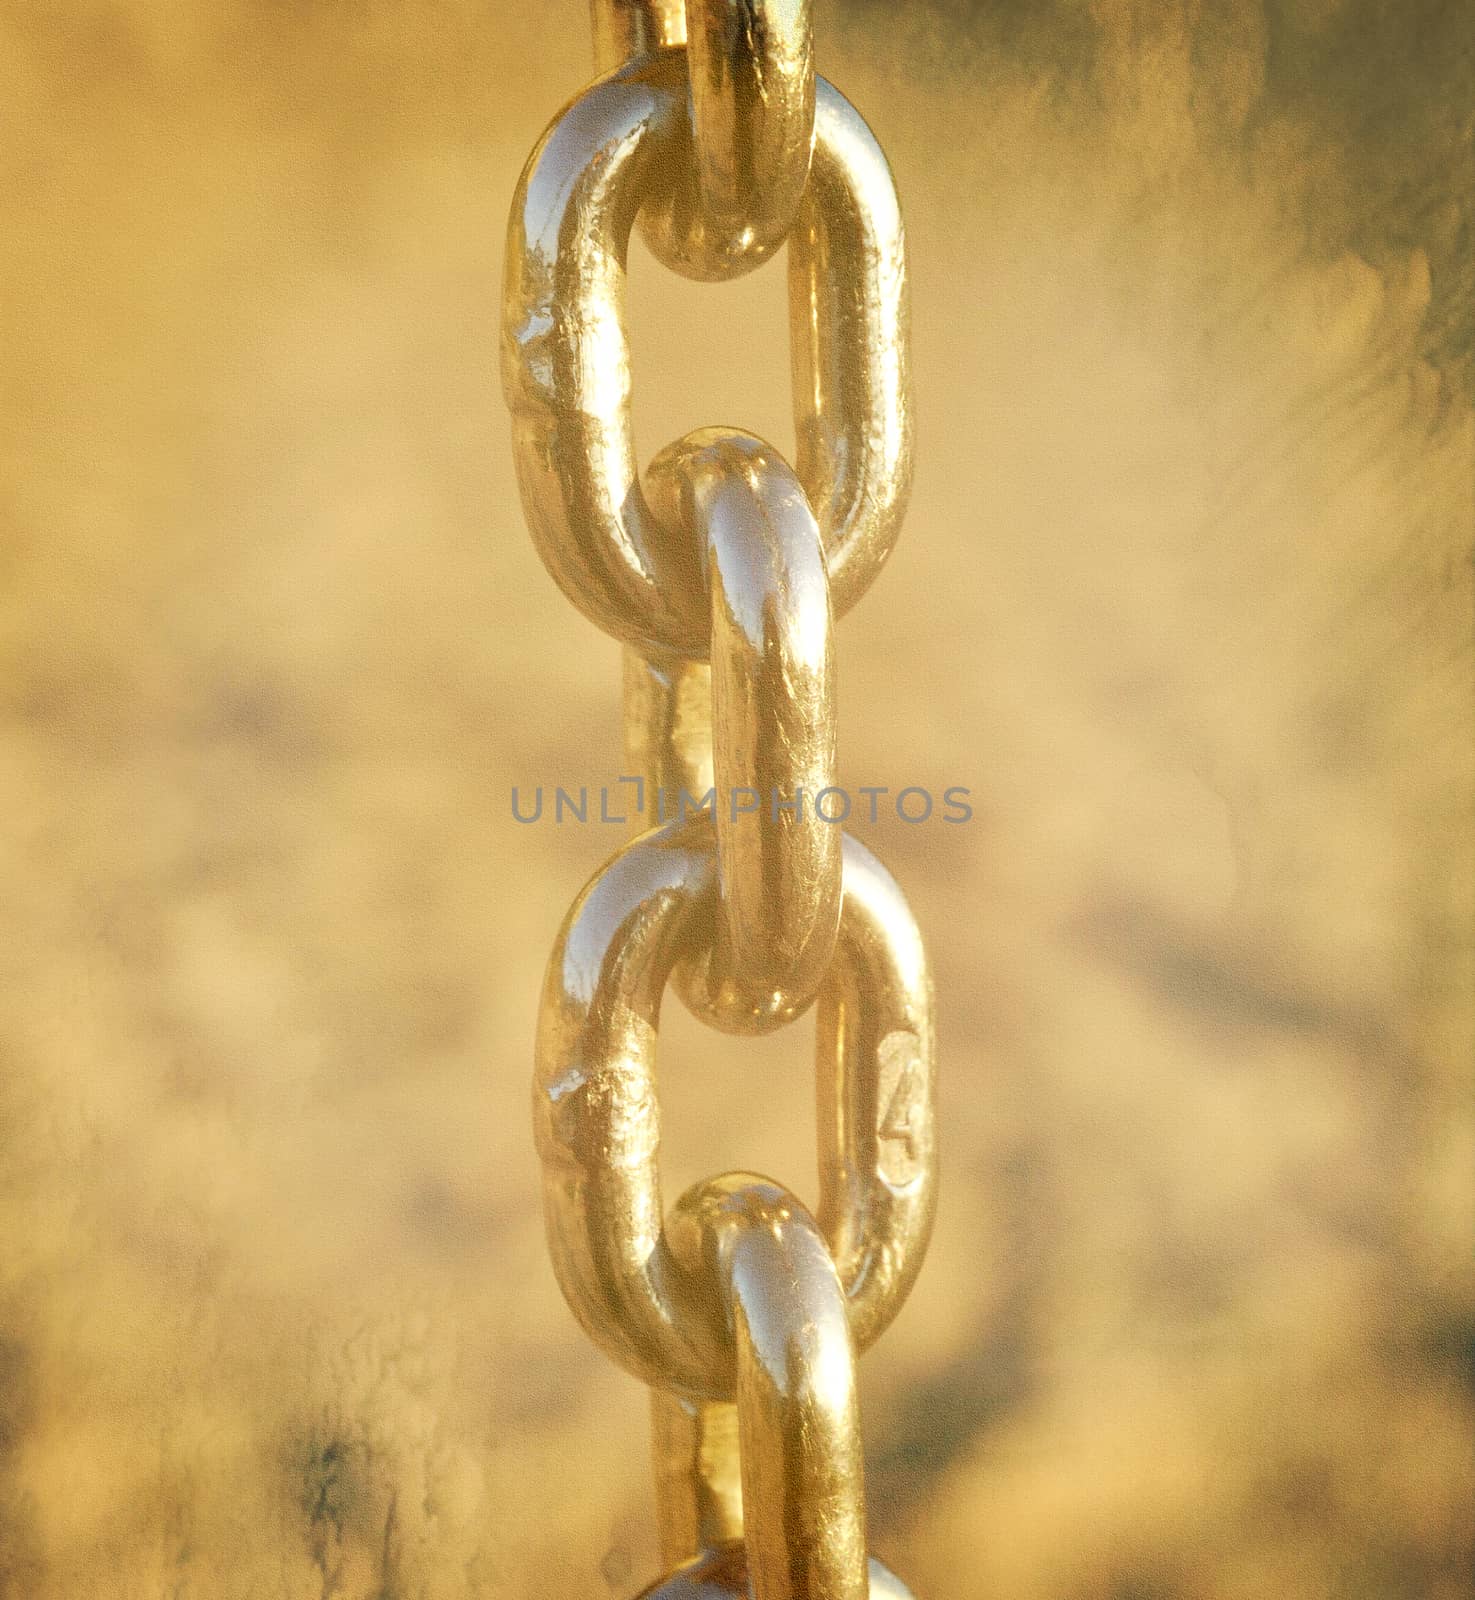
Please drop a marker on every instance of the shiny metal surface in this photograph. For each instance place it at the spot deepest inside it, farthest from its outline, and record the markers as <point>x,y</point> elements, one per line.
<point>751,66</point>
<point>667,704</point>
<point>626,28</point>
<point>803,1472</point>
<point>723,1575</point>
<point>733,193</point>
<point>773,726</point>
<point>876,1097</point>
<point>698,1476</point>
<point>1192,301</point>
<point>598,1121</point>
<point>745,1314</point>
<point>566,356</point>
<point>850,348</point>
<point>730,199</point>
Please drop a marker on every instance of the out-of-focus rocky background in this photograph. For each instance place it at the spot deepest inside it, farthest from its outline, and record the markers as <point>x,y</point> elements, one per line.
<point>1185,600</point>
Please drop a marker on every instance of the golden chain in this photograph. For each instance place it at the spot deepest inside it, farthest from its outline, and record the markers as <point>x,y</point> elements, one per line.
<point>723,573</point>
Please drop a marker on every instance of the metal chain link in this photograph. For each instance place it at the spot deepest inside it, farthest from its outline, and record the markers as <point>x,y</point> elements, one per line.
<point>724,573</point>
<point>566,355</point>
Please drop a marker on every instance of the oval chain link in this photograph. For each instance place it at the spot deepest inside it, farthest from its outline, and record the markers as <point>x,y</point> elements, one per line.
<point>566,356</point>
<point>772,718</point>
<point>597,1116</point>
<point>803,1475</point>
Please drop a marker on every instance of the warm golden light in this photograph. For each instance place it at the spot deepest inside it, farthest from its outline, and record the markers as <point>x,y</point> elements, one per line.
<point>1182,596</point>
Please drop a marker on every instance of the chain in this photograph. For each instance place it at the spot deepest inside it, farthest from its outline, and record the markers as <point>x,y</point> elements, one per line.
<point>723,572</point>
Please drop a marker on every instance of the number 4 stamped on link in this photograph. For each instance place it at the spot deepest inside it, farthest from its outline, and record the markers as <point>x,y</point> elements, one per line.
<point>900,1092</point>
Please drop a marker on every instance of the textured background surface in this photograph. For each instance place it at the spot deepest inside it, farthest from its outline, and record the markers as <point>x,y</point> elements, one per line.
<point>1185,598</point>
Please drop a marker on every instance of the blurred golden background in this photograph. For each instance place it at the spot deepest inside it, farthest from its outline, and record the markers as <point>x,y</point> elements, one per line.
<point>1184,598</point>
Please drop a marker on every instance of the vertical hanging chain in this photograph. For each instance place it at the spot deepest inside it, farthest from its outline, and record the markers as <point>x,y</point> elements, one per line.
<point>723,573</point>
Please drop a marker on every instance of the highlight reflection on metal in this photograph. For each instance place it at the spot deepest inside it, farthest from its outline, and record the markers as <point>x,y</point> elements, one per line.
<point>566,355</point>
<point>722,1574</point>
<point>747,142</point>
<point>751,68</point>
<point>626,28</point>
<point>598,1121</point>
<point>750,132</point>
<point>667,703</point>
<point>773,726</point>
<point>803,1474</point>
<point>699,1490</point>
